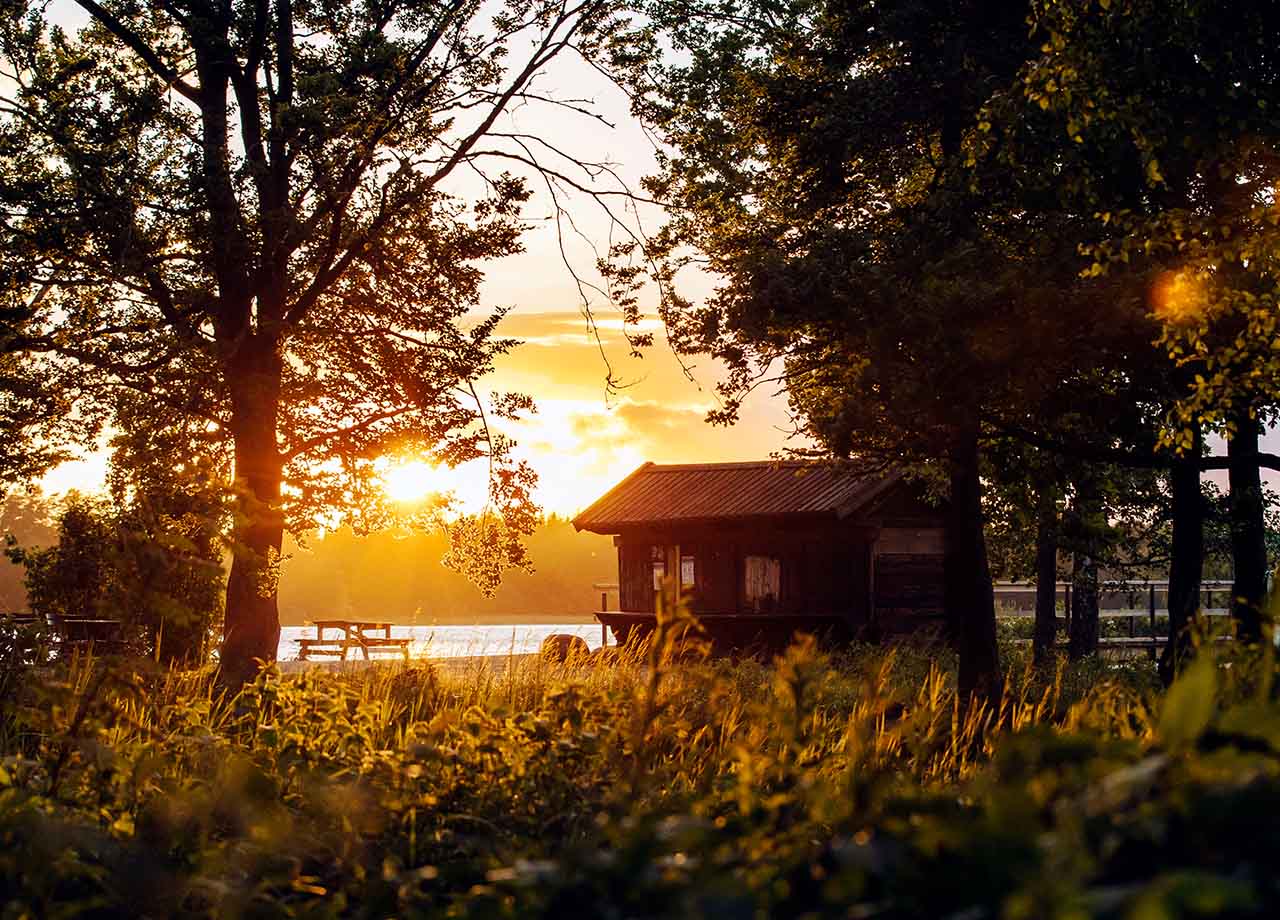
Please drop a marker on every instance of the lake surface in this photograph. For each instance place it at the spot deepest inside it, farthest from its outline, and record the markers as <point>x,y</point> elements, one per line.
<point>455,641</point>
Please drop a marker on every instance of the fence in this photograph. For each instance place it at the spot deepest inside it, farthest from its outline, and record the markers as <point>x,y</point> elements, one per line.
<point>1145,600</point>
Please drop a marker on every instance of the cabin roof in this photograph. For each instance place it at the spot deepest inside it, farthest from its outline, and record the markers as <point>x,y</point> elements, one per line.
<point>706,492</point>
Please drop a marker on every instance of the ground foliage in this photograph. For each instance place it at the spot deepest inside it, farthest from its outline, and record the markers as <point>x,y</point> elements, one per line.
<point>843,785</point>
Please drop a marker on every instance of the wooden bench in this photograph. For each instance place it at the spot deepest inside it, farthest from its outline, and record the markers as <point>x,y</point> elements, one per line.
<point>353,634</point>
<point>309,648</point>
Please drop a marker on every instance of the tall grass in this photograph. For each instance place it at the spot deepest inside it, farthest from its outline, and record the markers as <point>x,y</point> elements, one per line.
<point>655,782</point>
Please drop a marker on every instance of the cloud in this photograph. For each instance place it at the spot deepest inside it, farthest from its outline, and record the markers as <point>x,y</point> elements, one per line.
<point>661,432</point>
<point>584,438</point>
<point>559,358</point>
<point>573,327</point>
<point>654,417</point>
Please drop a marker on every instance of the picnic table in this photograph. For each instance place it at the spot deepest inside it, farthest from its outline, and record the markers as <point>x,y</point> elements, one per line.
<point>348,635</point>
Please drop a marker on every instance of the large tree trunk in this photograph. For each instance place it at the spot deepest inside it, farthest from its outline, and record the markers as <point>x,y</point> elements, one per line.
<point>1187,559</point>
<point>1248,532</point>
<point>970,602</point>
<point>252,629</point>
<point>1046,625</point>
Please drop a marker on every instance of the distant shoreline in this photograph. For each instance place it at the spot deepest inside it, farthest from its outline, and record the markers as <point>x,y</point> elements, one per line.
<point>475,619</point>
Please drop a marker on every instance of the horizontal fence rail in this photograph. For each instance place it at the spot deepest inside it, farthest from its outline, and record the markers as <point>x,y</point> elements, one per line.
<point>1144,600</point>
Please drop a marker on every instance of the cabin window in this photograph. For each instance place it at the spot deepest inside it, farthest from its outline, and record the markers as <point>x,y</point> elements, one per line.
<point>688,567</point>
<point>762,578</point>
<point>658,560</point>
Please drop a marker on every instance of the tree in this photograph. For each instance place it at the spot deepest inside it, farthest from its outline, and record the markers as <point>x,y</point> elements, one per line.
<point>170,510</point>
<point>250,213</point>
<point>27,518</point>
<point>69,578</point>
<point>154,569</point>
<point>916,303</point>
<point>1025,487</point>
<point>1169,133</point>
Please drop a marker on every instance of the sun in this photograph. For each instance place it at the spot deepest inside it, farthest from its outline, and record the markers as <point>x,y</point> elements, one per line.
<point>412,481</point>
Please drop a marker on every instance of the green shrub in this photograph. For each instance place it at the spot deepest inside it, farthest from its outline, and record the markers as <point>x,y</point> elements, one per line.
<point>818,785</point>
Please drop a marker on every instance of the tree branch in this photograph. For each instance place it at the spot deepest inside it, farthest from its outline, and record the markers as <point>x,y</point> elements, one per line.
<point>1120,456</point>
<point>318,440</point>
<point>140,48</point>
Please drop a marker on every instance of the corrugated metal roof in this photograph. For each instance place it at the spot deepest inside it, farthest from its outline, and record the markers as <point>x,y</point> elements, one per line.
<point>656,494</point>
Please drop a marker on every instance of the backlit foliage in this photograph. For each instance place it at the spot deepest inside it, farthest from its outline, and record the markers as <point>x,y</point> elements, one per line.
<point>817,785</point>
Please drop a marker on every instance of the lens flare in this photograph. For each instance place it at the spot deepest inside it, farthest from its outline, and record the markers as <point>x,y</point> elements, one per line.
<point>1179,296</point>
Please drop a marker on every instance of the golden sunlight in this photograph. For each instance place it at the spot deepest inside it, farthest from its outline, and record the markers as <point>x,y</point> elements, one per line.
<point>1178,296</point>
<point>414,480</point>
<point>409,481</point>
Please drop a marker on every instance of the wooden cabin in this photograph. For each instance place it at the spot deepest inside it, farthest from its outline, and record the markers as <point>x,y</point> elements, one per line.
<point>766,549</point>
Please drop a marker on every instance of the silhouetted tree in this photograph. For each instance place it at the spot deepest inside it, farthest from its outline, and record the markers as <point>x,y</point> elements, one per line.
<point>249,212</point>
<point>1165,125</point>
<point>915,303</point>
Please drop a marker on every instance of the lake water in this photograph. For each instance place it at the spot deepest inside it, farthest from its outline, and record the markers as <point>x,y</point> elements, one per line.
<point>455,641</point>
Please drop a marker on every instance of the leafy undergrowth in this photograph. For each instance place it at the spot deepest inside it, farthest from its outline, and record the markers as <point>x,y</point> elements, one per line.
<point>845,786</point>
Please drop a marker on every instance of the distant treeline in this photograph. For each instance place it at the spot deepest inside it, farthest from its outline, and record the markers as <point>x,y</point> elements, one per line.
<point>398,577</point>
<point>391,575</point>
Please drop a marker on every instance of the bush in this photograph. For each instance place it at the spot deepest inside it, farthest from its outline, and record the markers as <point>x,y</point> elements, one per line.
<point>816,785</point>
<point>155,566</point>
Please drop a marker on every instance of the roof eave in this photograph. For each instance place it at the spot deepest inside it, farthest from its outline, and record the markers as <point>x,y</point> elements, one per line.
<point>616,527</point>
<point>585,512</point>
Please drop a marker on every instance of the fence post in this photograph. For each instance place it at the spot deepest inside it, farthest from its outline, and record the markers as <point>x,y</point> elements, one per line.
<point>1066,608</point>
<point>1152,608</point>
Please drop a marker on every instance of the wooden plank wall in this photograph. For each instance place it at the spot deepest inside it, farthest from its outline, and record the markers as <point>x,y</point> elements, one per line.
<point>821,573</point>
<point>909,578</point>
<point>635,577</point>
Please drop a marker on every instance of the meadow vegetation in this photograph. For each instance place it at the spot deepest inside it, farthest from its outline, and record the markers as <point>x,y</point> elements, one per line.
<point>657,784</point>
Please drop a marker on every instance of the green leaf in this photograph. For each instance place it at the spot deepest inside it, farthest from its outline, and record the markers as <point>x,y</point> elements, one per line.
<point>1189,705</point>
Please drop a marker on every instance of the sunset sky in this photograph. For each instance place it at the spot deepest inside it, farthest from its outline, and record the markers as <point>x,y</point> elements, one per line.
<point>580,442</point>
